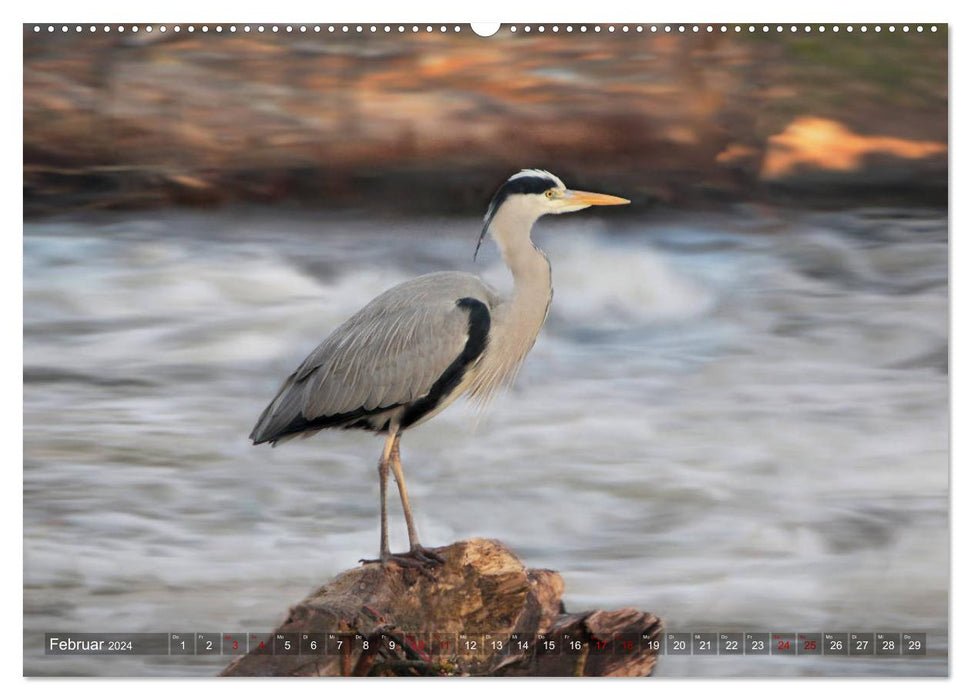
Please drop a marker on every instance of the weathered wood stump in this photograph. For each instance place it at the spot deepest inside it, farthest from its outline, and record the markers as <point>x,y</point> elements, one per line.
<point>482,612</point>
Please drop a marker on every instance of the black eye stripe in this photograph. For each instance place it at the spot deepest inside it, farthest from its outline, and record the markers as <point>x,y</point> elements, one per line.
<point>526,184</point>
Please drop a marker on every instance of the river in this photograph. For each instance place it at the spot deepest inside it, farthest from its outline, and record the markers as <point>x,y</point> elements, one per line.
<point>736,421</point>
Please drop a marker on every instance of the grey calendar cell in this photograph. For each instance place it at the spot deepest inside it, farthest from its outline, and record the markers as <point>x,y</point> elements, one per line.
<point>836,644</point>
<point>336,642</point>
<point>757,643</point>
<point>677,643</point>
<point>731,644</point>
<point>208,643</point>
<point>499,644</point>
<point>809,644</point>
<point>913,644</point>
<point>443,644</point>
<point>233,643</point>
<point>313,644</point>
<point>471,644</point>
<point>783,644</point>
<point>861,643</point>
<point>704,644</point>
<point>601,645</point>
<point>182,644</point>
<point>626,643</point>
<point>286,643</point>
<point>650,641</point>
<point>260,643</point>
<point>887,644</point>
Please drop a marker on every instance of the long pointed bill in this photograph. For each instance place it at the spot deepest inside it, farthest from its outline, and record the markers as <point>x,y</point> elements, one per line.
<point>593,199</point>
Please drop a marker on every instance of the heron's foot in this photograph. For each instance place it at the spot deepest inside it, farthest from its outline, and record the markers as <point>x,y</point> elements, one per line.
<point>428,557</point>
<point>418,558</point>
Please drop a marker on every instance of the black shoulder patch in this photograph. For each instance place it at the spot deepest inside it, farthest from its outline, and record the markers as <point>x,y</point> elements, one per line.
<point>480,320</point>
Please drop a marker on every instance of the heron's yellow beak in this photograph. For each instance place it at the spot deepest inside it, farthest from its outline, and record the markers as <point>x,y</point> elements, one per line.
<point>592,199</point>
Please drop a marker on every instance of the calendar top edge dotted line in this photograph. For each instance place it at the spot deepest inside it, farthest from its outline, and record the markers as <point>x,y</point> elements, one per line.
<point>522,29</point>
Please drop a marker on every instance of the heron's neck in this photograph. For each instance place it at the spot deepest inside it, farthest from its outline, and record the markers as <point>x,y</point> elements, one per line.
<point>518,320</point>
<point>532,282</point>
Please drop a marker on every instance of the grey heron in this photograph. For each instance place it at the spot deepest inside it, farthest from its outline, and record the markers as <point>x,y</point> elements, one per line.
<point>417,347</point>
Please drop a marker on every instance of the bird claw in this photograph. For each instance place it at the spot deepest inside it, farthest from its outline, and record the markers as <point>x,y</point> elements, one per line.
<point>427,556</point>
<point>418,558</point>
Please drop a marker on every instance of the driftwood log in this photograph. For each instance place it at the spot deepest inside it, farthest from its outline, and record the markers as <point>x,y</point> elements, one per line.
<point>482,612</point>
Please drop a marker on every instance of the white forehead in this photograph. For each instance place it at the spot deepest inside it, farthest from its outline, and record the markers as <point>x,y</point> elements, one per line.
<point>533,172</point>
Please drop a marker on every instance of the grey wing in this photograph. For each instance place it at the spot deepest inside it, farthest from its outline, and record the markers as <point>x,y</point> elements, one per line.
<point>389,355</point>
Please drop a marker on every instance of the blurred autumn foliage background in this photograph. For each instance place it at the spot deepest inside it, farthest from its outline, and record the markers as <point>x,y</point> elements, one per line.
<point>417,120</point>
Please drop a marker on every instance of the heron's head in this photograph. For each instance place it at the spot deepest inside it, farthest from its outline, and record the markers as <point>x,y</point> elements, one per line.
<point>529,194</point>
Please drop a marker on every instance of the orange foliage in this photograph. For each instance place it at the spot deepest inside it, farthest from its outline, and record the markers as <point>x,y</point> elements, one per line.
<point>828,145</point>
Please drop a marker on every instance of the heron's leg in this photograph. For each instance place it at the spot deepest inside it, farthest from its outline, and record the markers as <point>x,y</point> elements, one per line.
<point>417,550</point>
<point>383,480</point>
<point>418,556</point>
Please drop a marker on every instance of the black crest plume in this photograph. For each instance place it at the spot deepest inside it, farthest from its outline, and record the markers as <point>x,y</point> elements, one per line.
<point>523,182</point>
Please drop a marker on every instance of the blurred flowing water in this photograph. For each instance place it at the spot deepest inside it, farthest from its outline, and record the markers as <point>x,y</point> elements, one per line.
<point>737,422</point>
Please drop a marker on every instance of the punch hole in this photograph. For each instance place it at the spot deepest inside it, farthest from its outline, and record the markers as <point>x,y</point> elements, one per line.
<point>487,28</point>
